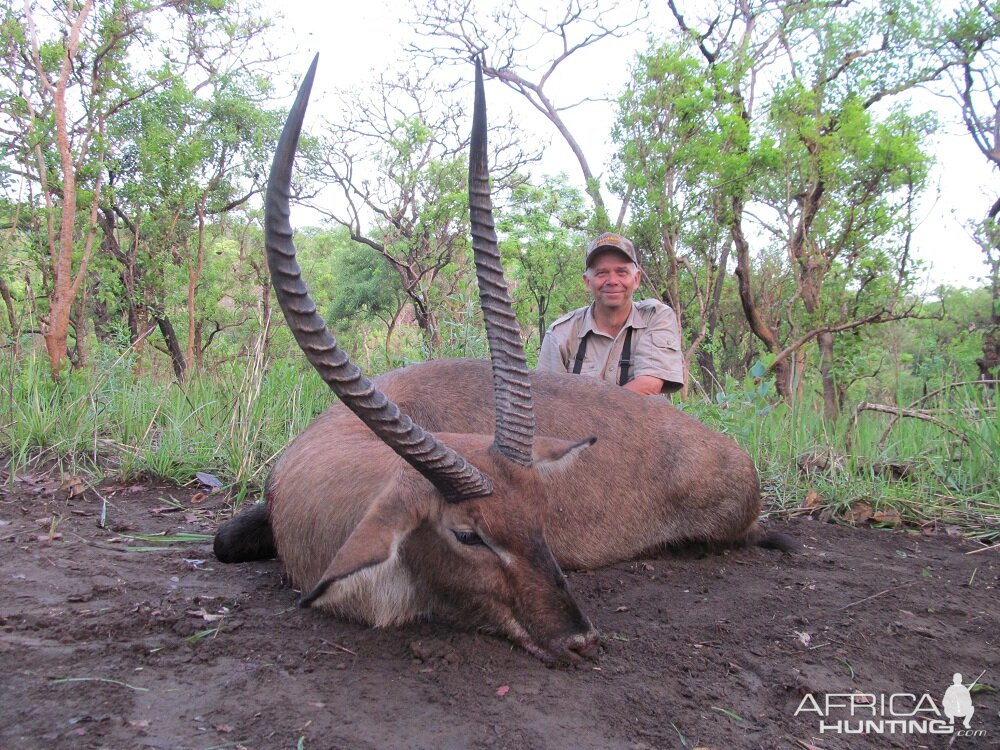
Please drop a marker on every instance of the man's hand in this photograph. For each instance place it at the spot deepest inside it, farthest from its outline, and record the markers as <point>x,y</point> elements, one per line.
<point>645,385</point>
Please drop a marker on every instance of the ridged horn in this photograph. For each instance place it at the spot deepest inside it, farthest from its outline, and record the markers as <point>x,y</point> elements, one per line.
<point>449,472</point>
<point>515,416</point>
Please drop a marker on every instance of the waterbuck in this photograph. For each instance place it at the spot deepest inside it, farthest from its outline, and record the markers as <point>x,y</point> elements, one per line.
<point>377,519</point>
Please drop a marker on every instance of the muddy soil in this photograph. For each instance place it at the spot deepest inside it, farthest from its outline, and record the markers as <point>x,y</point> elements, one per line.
<point>112,640</point>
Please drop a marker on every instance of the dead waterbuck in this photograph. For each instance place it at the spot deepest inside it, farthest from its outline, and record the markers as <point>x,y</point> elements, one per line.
<point>379,520</point>
<point>386,522</point>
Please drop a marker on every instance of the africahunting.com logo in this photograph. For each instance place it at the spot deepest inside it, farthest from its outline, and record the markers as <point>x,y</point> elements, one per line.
<point>895,713</point>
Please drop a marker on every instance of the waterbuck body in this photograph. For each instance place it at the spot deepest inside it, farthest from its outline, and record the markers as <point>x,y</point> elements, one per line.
<point>656,476</point>
<point>419,494</point>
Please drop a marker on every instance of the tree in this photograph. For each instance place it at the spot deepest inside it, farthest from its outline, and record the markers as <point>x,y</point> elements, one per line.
<point>43,78</point>
<point>71,77</point>
<point>827,177</point>
<point>846,192</point>
<point>542,248</point>
<point>366,286</point>
<point>187,157</point>
<point>399,160</point>
<point>974,35</point>
<point>526,50</point>
<point>671,130</point>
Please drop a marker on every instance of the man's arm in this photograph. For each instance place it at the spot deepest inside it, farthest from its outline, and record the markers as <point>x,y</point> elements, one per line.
<point>659,364</point>
<point>550,358</point>
<point>645,385</point>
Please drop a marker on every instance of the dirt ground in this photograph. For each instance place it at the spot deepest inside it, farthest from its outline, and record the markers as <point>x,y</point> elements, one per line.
<point>111,639</point>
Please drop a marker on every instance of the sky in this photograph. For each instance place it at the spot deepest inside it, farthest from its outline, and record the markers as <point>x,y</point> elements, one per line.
<point>358,39</point>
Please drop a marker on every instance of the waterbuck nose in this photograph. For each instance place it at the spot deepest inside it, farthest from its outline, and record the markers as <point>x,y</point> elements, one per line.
<point>579,646</point>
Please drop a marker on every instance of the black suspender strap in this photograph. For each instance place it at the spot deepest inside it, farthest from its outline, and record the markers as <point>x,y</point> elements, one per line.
<point>626,360</point>
<point>580,354</point>
<point>625,364</point>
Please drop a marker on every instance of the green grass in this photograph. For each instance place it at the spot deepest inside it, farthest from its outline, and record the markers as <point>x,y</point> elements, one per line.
<point>952,463</point>
<point>109,420</point>
<point>112,421</point>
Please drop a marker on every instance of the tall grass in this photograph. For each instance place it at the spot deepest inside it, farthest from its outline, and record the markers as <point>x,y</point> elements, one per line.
<point>107,421</point>
<point>944,471</point>
<point>236,422</point>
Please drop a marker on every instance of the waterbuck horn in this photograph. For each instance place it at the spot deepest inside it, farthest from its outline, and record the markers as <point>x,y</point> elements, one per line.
<point>515,417</point>
<point>451,474</point>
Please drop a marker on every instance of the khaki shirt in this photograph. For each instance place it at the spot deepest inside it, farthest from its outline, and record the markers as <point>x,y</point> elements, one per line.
<point>656,348</point>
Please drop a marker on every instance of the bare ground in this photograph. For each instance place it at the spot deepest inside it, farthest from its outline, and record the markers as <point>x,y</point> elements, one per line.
<point>107,643</point>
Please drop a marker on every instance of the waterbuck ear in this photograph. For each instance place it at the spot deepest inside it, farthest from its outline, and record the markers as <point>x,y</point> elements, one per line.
<point>552,455</point>
<point>374,541</point>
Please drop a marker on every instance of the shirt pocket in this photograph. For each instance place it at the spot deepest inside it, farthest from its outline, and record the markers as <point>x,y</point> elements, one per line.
<point>662,355</point>
<point>662,340</point>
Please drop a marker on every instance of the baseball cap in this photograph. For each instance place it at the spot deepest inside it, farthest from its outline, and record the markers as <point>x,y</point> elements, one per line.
<point>611,241</point>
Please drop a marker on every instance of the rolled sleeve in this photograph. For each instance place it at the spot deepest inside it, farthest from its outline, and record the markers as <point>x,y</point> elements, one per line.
<point>659,351</point>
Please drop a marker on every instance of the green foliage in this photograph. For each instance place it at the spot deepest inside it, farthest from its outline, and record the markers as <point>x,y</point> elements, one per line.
<point>542,250</point>
<point>675,131</point>
<point>365,285</point>
<point>816,173</point>
<point>168,127</point>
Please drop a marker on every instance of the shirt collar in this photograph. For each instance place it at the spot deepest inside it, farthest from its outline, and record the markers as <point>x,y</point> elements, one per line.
<point>634,321</point>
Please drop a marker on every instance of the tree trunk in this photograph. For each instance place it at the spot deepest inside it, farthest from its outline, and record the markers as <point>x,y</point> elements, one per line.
<point>78,319</point>
<point>427,322</point>
<point>706,359</point>
<point>264,281</point>
<point>56,334</point>
<point>30,303</point>
<point>706,367</point>
<point>135,314</point>
<point>831,403</point>
<point>65,284</point>
<point>800,361</point>
<point>173,346</point>
<point>541,319</point>
<point>129,274</point>
<point>197,363</point>
<point>194,275</point>
<point>15,325</point>
<point>989,363</point>
<point>782,370</point>
<point>103,327</point>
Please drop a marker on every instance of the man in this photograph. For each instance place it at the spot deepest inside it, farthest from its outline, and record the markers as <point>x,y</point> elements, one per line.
<point>633,344</point>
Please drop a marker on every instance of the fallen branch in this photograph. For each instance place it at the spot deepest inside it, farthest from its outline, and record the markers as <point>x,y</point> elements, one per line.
<point>882,316</point>
<point>901,412</point>
<point>924,399</point>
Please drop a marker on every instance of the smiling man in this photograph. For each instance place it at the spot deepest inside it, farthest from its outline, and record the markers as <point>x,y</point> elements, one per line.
<point>633,344</point>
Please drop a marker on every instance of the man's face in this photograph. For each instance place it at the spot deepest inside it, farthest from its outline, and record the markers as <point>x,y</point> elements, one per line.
<point>612,279</point>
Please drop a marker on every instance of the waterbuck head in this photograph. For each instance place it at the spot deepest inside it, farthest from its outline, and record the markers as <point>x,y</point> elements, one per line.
<point>459,528</point>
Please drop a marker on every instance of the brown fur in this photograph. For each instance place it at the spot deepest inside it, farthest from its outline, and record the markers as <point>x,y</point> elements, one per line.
<point>655,476</point>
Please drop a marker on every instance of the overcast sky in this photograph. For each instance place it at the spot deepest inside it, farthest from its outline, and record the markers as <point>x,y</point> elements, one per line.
<point>356,39</point>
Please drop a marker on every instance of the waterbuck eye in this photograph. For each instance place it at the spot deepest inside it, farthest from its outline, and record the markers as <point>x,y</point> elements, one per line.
<point>468,537</point>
